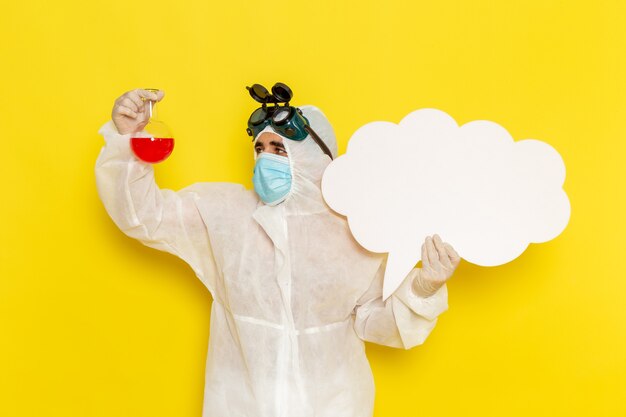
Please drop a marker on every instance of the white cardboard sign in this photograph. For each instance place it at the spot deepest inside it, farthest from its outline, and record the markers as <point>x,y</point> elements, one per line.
<point>484,193</point>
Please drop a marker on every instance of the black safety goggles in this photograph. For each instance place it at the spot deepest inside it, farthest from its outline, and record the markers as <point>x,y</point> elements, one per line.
<point>286,120</point>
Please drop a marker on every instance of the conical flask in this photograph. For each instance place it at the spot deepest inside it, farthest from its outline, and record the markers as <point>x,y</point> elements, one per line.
<point>155,142</point>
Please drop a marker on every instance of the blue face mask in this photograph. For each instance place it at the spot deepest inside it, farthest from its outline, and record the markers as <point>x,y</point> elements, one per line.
<point>272,178</point>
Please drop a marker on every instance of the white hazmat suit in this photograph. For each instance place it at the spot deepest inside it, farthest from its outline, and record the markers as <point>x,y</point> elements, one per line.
<point>294,295</point>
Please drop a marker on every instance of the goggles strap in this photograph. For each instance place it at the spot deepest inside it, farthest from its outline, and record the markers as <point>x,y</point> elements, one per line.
<point>319,141</point>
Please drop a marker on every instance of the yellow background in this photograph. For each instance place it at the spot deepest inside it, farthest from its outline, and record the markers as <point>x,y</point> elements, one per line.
<point>94,324</point>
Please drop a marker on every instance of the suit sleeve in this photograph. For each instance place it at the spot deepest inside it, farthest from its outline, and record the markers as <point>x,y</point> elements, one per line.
<point>159,218</point>
<point>404,320</point>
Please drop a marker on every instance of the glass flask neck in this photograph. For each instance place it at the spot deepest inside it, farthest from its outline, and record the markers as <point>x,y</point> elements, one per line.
<point>152,110</point>
<point>152,105</point>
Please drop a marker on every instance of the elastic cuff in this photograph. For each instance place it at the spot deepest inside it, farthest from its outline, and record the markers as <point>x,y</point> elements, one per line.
<point>425,287</point>
<point>429,307</point>
<point>110,133</point>
<point>116,142</point>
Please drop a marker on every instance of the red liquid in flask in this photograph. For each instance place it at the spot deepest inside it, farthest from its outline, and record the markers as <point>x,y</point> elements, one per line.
<point>152,150</point>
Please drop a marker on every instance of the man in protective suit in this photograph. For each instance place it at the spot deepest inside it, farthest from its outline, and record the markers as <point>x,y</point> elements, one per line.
<point>294,295</point>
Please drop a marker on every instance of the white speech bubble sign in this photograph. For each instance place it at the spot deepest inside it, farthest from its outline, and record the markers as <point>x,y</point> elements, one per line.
<point>484,193</point>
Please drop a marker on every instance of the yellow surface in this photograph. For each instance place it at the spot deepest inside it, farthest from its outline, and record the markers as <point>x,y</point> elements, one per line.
<point>94,324</point>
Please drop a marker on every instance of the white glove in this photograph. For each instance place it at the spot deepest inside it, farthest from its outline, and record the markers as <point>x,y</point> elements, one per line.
<point>439,261</point>
<point>129,113</point>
